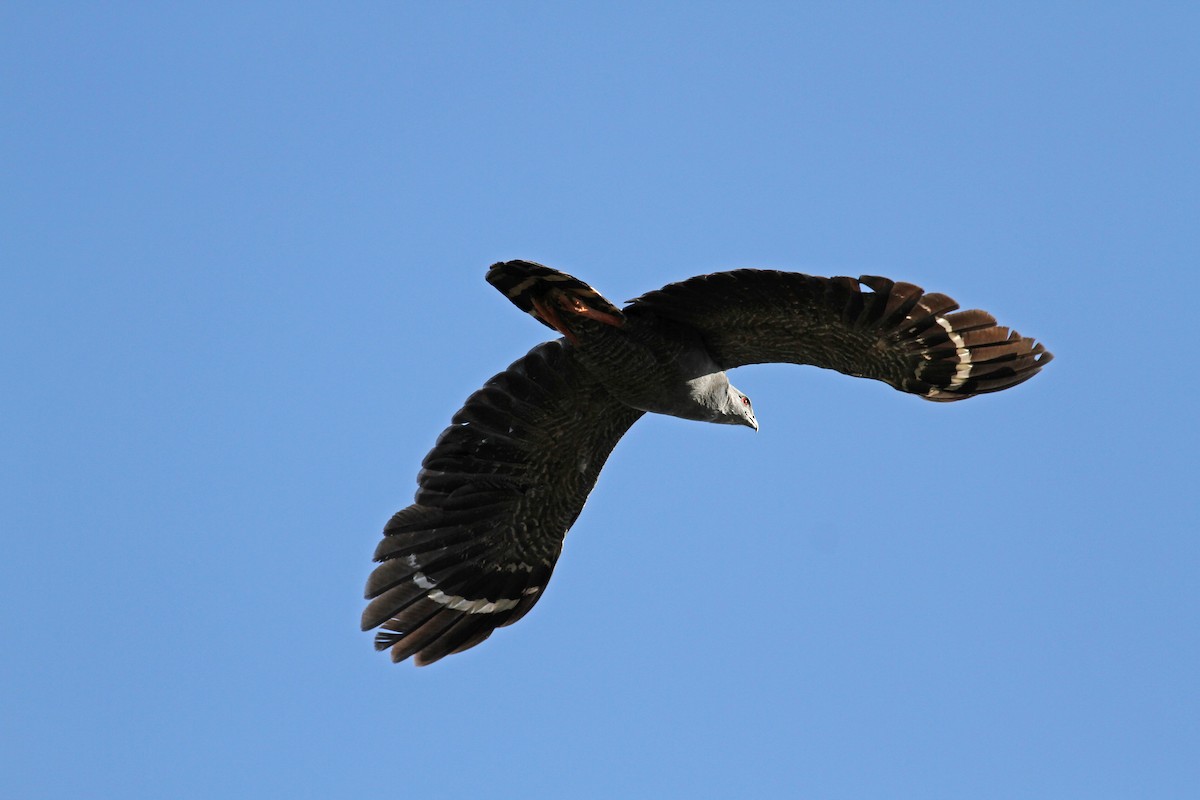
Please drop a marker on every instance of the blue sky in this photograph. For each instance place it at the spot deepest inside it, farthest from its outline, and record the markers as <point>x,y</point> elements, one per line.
<point>244,247</point>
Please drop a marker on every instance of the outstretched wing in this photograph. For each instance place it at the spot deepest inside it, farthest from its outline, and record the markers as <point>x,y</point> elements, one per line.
<point>895,333</point>
<point>496,496</point>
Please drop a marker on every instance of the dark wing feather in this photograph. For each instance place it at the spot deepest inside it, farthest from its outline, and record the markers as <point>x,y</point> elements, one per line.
<point>496,496</point>
<point>894,333</point>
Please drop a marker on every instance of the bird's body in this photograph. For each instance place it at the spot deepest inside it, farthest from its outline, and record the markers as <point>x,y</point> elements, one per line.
<point>508,478</point>
<point>643,360</point>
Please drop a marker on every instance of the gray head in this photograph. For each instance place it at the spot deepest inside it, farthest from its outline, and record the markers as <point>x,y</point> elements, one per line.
<point>734,408</point>
<point>710,398</point>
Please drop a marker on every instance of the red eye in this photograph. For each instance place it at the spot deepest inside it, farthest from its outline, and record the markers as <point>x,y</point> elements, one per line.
<point>745,401</point>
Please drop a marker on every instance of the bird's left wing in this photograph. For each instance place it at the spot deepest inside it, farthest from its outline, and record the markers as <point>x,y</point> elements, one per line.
<point>496,496</point>
<point>896,332</point>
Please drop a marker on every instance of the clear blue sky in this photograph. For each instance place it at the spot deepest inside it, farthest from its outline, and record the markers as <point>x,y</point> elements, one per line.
<point>243,251</point>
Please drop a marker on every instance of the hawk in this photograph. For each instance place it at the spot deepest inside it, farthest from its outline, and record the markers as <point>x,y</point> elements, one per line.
<point>509,476</point>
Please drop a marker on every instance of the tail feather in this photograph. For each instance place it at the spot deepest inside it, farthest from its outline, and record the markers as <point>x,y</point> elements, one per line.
<point>953,354</point>
<point>975,319</point>
<point>431,615</point>
<point>468,630</point>
<point>423,628</point>
<point>523,282</point>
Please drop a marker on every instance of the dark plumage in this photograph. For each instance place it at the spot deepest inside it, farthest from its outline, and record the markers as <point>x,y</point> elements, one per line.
<point>508,478</point>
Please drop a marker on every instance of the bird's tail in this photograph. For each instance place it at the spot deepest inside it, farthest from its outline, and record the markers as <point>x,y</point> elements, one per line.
<point>952,356</point>
<point>549,295</point>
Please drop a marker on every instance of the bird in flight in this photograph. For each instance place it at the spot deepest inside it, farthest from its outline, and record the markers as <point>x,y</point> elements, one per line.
<point>504,483</point>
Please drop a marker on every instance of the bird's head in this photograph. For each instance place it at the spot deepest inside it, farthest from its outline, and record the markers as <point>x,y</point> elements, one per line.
<point>739,410</point>
<point>712,398</point>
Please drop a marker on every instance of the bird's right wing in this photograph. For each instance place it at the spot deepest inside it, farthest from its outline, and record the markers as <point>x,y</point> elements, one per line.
<point>895,333</point>
<point>496,496</point>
